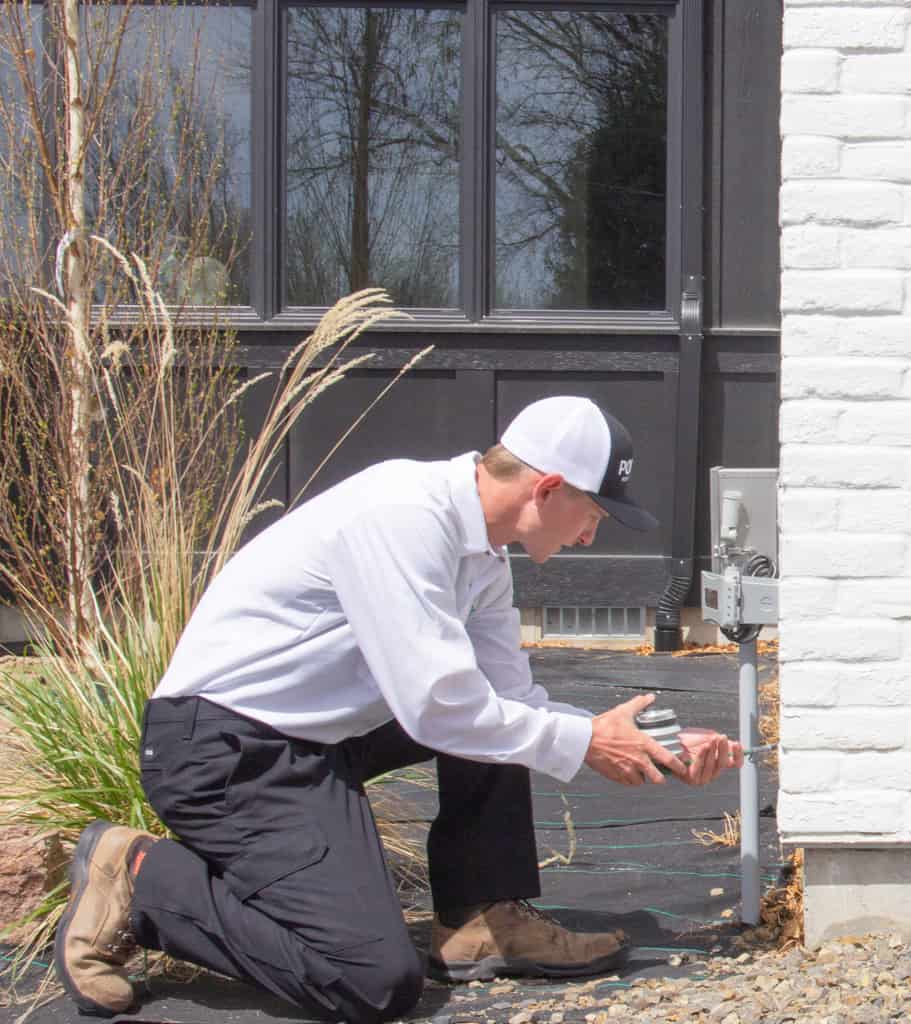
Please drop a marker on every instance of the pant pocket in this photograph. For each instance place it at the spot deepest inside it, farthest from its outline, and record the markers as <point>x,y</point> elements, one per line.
<point>274,856</point>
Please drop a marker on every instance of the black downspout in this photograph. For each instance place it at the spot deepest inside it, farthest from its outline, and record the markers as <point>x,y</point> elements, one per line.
<point>668,635</point>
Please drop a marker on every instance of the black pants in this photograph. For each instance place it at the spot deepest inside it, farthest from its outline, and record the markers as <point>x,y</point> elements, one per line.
<point>280,877</point>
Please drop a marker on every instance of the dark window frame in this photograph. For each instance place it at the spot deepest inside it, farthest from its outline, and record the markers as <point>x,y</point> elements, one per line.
<point>684,177</point>
<point>684,257</point>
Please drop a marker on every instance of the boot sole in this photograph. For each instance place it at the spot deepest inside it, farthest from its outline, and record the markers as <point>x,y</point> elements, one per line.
<point>79,878</point>
<point>496,967</point>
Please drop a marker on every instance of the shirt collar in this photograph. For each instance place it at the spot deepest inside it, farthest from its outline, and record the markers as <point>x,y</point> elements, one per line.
<point>463,487</point>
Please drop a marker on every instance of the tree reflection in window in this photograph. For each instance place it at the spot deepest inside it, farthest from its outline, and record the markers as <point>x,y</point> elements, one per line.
<point>580,160</point>
<point>168,167</point>
<point>22,240</point>
<point>372,154</point>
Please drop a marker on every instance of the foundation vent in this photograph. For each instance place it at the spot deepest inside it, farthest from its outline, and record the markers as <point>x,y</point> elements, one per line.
<point>582,620</point>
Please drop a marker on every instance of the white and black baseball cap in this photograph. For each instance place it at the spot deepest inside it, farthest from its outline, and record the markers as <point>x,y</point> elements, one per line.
<point>589,448</point>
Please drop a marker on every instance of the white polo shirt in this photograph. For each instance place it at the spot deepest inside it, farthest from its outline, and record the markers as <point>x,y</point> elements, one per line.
<point>379,598</point>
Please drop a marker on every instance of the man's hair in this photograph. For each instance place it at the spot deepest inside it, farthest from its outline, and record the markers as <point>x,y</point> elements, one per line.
<point>503,465</point>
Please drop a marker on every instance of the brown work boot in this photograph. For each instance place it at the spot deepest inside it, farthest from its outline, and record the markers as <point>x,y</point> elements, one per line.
<point>93,939</point>
<point>513,938</point>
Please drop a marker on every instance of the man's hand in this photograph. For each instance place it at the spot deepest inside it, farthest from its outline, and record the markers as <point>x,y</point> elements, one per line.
<point>622,752</point>
<point>709,753</point>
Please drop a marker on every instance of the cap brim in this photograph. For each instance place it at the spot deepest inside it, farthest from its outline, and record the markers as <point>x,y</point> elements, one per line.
<point>626,512</point>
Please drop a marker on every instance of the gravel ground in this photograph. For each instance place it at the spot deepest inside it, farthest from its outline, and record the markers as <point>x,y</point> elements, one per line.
<point>865,980</point>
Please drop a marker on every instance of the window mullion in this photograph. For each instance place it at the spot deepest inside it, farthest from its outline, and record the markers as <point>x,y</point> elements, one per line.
<point>268,74</point>
<point>688,124</point>
<point>475,171</point>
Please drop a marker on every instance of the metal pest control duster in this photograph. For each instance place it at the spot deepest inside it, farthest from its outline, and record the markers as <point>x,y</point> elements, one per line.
<point>662,725</point>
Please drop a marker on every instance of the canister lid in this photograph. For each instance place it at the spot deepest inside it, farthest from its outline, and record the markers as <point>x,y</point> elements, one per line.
<point>656,716</point>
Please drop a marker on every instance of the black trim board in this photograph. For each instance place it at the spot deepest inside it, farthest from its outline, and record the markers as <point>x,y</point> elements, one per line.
<point>605,580</point>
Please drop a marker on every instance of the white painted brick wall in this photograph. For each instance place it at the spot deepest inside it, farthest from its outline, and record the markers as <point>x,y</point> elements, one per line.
<point>840,202</point>
<point>887,511</point>
<point>889,73</point>
<point>808,465</point>
<point>838,377</point>
<point>804,291</point>
<point>886,161</point>
<point>871,247</point>
<point>813,247</point>
<point>809,684</point>
<point>845,424</point>
<point>810,156</point>
<point>850,27</point>
<point>859,815</point>
<point>853,117</point>
<point>812,70</point>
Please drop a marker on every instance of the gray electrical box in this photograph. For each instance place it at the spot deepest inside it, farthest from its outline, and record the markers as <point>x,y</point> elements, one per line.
<point>744,524</point>
<point>744,515</point>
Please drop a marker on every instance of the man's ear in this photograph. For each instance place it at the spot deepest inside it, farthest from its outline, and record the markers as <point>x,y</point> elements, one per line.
<point>547,485</point>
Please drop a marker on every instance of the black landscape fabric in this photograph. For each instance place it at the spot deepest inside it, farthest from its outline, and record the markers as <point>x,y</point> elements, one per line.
<point>614,857</point>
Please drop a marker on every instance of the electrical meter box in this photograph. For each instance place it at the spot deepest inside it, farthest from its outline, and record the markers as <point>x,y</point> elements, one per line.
<point>744,515</point>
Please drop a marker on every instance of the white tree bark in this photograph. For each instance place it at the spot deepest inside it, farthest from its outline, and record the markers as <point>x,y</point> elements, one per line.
<point>78,357</point>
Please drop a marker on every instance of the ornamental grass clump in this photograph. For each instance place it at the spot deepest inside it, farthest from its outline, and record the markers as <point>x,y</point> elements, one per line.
<point>182,487</point>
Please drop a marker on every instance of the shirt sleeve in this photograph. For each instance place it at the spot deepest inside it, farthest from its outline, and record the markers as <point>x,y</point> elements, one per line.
<point>394,569</point>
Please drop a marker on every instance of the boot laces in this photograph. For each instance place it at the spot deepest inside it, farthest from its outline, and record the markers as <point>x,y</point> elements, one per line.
<point>123,944</point>
<point>530,910</point>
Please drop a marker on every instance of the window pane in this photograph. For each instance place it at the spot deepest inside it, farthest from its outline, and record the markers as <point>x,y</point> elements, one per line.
<point>168,174</point>
<point>372,154</point>
<point>21,235</point>
<point>580,160</point>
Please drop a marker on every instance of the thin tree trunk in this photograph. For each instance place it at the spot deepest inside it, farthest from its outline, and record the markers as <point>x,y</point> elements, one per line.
<point>78,354</point>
